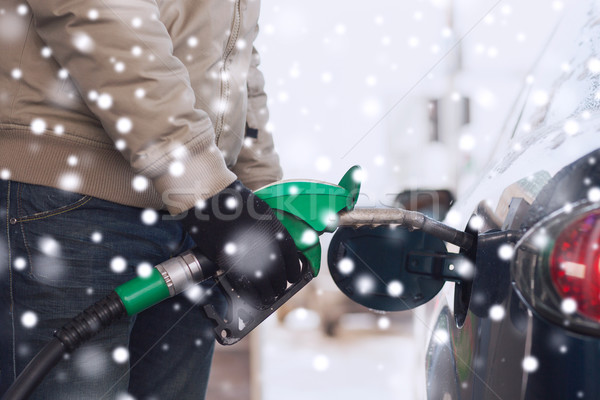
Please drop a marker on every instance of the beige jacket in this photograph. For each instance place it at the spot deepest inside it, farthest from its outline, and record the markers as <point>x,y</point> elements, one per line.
<point>149,103</point>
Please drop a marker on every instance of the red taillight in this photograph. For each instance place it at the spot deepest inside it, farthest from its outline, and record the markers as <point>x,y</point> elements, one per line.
<point>575,266</point>
<point>556,267</point>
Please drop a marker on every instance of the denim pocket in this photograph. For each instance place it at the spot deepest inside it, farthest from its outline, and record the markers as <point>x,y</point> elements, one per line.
<point>38,202</point>
<point>50,242</point>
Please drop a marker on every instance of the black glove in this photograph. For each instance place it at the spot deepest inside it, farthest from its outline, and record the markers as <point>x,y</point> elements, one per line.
<point>240,233</point>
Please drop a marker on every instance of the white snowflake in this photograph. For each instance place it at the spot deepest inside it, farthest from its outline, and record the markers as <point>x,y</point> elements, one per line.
<point>326,77</point>
<point>22,9</point>
<point>540,98</point>
<point>176,168</point>
<point>496,312</point>
<point>93,14</point>
<point>124,125</point>
<point>144,270</point>
<point>295,71</point>
<point>140,93</point>
<point>309,237</point>
<point>83,42</point>
<point>120,355</point>
<point>149,216</point>
<point>395,288</point>
<point>63,73</point>
<point>20,263</point>
<point>120,144</point>
<point>200,204</point>
<point>118,264</point>
<point>371,107</point>
<point>466,142</point>
<point>293,190</point>
<point>91,362</point>
<point>541,239</point>
<point>571,127</point>
<point>230,248</point>
<point>194,293</point>
<point>96,237</point>
<point>563,349</point>
<point>140,183</point>
<point>383,323</point>
<point>105,101</point>
<point>505,251</point>
<point>49,246</point>
<point>465,269</point>
<point>72,160</point>
<point>320,363</point>
<point>594,65</point>
<point>593,194</point>
<point>192,41</point>
<point>323,164</point>
<point>365,284</point>
<point>340,29</point>
<point>441,336</point>
<point>136,22</point>
<point>29,319</point>
<point>359,175</point>
<point>69,181</point>
<point>231,203</point>
<point>530,364</point>
<point>241,44</point>
<point>119,66</point>
<point>476,222</point>
<point>568,306</point>
<point>345,266</point>
<point>38,126</point>
<point>283,96</point>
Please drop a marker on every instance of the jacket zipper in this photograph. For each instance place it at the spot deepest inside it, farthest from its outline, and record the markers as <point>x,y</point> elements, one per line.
<point>225,87</point>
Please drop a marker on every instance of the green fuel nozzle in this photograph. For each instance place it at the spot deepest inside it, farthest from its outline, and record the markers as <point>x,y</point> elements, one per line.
<point>306,209</point>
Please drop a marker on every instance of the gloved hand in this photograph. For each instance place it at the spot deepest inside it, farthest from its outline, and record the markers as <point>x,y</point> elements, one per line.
<point>240,233</point>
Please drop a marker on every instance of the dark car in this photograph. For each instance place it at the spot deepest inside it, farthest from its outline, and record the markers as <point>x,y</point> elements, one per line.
<point>524,323</point>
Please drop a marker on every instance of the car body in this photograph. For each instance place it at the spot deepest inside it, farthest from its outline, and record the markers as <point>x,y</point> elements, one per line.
<point>509,333</point>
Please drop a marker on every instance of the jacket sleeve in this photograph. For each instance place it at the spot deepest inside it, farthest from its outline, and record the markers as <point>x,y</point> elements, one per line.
<point>258,163</point>
<point>167,139</point>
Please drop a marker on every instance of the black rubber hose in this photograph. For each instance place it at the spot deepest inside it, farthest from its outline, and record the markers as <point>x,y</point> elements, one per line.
<point>80,329</point>
<point>36,370</point>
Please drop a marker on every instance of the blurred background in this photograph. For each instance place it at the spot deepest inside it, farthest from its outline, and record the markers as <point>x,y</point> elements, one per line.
<point>417,93</point>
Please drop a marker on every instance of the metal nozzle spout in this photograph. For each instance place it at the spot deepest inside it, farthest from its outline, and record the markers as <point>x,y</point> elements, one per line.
<point>408,219</point>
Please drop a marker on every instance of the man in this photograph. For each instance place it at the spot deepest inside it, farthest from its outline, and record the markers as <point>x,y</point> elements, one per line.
<point>110,110</point>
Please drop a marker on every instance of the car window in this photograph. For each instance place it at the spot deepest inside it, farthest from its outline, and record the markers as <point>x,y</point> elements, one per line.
<point>553,121</point>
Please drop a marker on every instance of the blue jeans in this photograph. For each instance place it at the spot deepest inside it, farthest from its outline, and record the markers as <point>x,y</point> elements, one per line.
<point>62,251</point>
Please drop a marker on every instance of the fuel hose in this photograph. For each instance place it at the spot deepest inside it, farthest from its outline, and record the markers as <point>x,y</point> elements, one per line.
<point>166,280</point>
